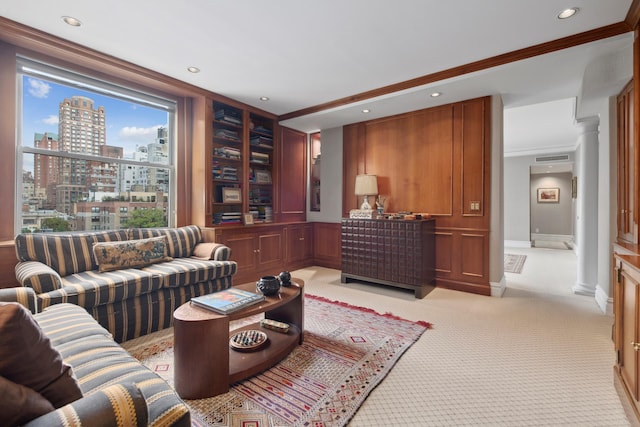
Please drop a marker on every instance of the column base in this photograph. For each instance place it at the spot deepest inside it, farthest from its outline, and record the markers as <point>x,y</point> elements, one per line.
<point>583,289</point>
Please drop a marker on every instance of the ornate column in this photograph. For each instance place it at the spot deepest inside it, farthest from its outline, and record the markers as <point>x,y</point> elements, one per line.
<point>587,207</point>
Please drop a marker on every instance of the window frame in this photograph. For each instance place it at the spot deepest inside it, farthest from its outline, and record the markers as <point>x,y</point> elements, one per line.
<point>63,76</point>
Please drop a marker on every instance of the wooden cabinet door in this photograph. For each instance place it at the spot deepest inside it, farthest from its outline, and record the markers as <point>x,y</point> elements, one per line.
<point>243,250</point>
<point>271,252</point>
<point>627,217</point>
<point>628,355</point>
<point>299,243</point>
<point>292,176</point>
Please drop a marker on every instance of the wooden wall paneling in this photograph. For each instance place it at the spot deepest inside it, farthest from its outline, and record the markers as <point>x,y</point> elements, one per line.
<point>8,261</point>
<point>433,161</point>
<point>326,245</point>
<point>634,133</point>
<point>7,139</point>
<point>201,188</point>
<point>444,252</point>
<point>473,158</point>
<point>626,166</point>
<point>353,148</point>
<point>471,264</point>
<point>436,158</point>
<point>292,173</point>
<point>412,156</point>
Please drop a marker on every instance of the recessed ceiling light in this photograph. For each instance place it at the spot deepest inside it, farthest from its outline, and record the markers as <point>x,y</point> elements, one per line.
<point>436,94</point>
<point>264,98</point>
<point>72,21</point>
<point>568,13</point>
<point>193,69</point>
<point>366,110</point>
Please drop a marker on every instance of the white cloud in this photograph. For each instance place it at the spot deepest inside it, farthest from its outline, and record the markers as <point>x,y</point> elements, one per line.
<point>51,120</point>
<point>38,88</point>
<point>139,134</point>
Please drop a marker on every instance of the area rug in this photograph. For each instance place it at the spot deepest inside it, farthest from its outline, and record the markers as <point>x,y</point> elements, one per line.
<point>514,263</point>
<point>347,352</point>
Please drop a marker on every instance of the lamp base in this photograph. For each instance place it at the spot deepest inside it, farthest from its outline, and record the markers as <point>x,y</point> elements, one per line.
<point>361,214</point>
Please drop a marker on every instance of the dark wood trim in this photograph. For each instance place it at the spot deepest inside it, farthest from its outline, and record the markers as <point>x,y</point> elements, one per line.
<point>633,15</point>
<point>516,55</point>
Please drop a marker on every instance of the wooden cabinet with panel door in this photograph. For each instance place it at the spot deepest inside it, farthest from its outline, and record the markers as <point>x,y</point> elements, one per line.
<point>627,331</point>
<point>258,250</point>
<point>299,245</point>
<point>627,213</point>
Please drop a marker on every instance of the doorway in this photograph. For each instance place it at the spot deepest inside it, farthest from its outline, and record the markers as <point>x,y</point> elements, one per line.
<point>552,207</point>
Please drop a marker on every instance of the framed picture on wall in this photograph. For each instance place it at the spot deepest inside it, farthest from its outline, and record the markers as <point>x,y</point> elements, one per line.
<point>548,195</point>
<point>574,187</point>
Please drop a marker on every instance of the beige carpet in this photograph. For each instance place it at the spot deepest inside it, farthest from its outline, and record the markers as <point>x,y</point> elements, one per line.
<point>527,359</point>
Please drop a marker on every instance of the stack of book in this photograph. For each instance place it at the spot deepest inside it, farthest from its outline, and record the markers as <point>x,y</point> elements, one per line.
<point>223,172</point>
<point>261,141</point>
<point>262,158</point>
<point>227,301</point>
<point>227,217</point>
<point>263,129</point>
<point>260,196</point>
<point>227,134</point>
<point>229,116</point>
<point>228,152</point>
<point>265,213</point>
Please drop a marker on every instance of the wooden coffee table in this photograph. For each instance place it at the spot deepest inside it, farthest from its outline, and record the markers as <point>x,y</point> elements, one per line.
<point>205,365</point>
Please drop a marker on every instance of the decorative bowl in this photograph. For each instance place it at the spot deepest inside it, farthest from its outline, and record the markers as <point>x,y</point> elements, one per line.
<point>268,285</point>
<point>285,278</point>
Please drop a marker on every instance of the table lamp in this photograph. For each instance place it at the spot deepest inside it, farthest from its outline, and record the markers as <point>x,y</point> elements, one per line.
<point>366,185</point>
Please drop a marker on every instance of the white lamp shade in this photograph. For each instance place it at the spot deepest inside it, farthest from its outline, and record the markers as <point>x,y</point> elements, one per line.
<point>366,185</point>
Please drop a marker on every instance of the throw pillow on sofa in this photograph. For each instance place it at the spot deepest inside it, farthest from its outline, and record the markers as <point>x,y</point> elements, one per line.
<point>206,250</point>
<point>130,253</point>
<point>27,357</point>
<point>20,404</point>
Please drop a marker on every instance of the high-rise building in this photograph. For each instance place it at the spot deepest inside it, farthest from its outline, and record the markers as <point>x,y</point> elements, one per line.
<point>45,171</point>
<point>81,129</point>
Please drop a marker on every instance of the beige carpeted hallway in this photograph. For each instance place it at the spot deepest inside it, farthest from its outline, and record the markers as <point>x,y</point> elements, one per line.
<point>538,356</point>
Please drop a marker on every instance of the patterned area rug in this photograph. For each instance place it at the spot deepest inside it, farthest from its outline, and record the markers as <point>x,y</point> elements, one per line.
<point>514,263</point>
<point>347,352</point>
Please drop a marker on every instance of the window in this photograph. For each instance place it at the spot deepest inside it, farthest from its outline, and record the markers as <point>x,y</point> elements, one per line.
<point>88,146</point>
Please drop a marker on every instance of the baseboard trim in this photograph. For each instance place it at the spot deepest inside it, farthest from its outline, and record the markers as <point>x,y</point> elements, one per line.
<point>517,243</point>
<point>498,288</point>
<point>582,289</point>
<point>604,301</point>
<point>552,237</point>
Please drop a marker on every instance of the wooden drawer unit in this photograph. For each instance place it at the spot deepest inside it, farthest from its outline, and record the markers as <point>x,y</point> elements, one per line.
<point>391,252</point>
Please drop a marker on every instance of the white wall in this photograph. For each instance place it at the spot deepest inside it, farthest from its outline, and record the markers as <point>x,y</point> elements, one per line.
<point>516,200</point>
<point>552,218</point>
<point>607,201</point>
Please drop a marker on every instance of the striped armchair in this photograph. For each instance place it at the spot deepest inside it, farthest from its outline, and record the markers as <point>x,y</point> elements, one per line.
<point>117,390</point>
<point>132,291</point>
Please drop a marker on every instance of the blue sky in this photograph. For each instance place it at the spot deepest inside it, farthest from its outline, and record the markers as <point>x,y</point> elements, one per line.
<point>128,124</point>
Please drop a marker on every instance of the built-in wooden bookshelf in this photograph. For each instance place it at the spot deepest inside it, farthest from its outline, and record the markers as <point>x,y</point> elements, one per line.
<point>226,163</point>
<point>261,168</point>
<point>242,155</point>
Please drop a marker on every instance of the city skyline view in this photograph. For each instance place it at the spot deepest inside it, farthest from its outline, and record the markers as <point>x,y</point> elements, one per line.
<point>128,125</point>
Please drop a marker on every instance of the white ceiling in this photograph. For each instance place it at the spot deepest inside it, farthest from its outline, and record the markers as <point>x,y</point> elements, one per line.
<point>303,53</point>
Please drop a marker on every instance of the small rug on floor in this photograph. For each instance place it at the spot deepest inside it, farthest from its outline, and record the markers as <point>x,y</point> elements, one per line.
<point>346,353</point>
<point>514,263</point>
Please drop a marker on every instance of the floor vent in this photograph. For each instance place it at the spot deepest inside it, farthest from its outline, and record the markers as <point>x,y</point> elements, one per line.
<point>559,158</point>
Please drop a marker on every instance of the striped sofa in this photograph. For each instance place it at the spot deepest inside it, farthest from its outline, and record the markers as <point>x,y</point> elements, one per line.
<point>117,390</point>
<point>128,302</point>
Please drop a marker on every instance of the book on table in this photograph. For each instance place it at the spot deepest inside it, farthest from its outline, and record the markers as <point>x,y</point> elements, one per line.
<point>228,300</point>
